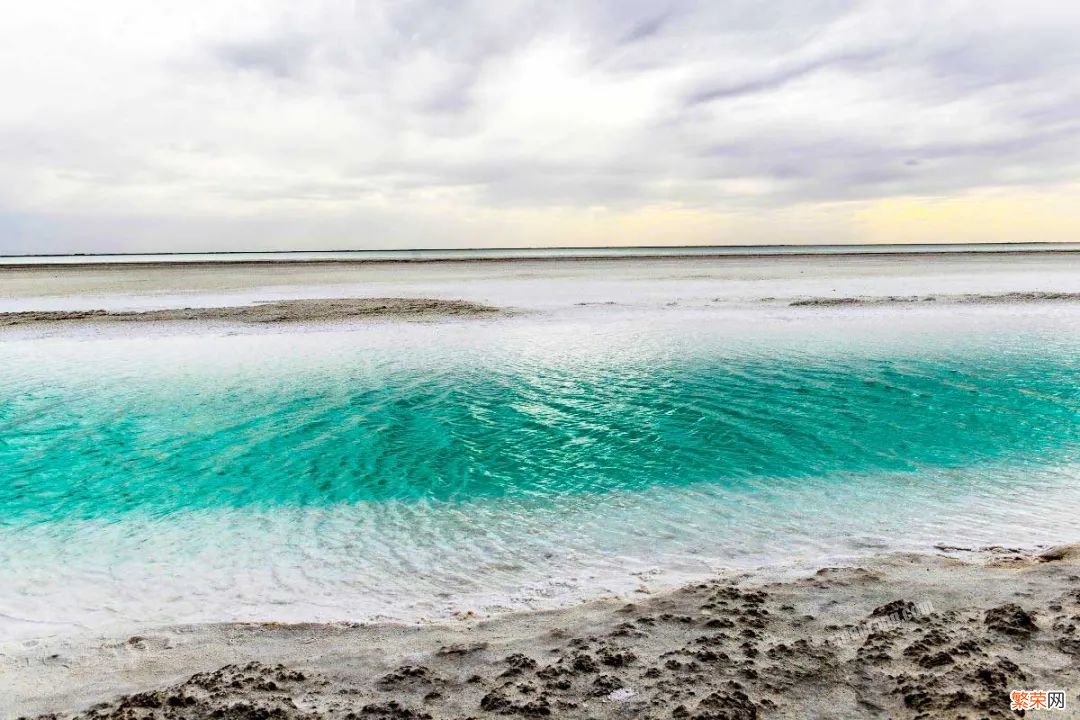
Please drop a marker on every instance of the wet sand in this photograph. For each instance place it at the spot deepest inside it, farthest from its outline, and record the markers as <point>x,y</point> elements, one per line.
<point>284,311</point>
<point>899,636</point>
<point>323,310</point>
<point>545,285</point>
<point>1007,297</point>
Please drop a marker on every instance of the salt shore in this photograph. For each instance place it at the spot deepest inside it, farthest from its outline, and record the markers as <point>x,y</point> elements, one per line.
<point>950,634</point>
<point>545,285</point>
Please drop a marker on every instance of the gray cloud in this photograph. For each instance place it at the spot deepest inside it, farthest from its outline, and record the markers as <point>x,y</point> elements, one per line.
<point>283,57</point>
<point>772,79</point>
<point>373,110</point>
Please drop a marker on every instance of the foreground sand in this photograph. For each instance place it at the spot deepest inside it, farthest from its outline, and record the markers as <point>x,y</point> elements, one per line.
<point>901,636</point>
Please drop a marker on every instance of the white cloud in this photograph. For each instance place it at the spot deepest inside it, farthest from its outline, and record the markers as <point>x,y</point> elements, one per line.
<point>199,125</point>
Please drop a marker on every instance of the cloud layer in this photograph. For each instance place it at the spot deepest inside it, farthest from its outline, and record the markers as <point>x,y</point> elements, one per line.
<point>199,126</point>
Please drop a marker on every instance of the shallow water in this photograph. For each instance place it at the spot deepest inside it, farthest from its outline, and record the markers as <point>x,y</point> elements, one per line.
<point>410,471</point>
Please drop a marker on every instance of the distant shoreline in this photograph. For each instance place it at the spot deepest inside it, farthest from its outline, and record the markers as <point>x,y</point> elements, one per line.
<point>557,248</point>
<point>511,255</point>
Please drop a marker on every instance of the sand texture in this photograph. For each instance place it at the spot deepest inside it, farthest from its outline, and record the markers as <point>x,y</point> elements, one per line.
<point>283,311</point>
<point>1008,297</point>
<point>901,636</point>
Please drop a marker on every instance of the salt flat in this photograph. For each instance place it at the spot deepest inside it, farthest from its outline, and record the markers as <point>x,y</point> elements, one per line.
<point>623,428</point>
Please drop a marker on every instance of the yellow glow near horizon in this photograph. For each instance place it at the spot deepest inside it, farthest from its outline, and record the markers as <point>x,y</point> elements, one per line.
<point>1052,215</point>
<point>995,216</point>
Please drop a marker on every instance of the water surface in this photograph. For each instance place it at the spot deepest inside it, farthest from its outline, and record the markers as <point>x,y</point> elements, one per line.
<point>410,471</point>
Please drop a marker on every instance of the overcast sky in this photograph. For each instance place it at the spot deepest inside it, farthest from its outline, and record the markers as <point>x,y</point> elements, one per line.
<point>188,126</point>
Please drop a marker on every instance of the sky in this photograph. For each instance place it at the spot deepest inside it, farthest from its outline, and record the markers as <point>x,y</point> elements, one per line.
<point>128,126</point>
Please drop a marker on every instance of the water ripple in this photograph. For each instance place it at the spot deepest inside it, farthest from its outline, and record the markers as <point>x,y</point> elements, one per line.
<point>393,485</point>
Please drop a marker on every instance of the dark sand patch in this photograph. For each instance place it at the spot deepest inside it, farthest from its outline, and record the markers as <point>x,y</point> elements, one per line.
<point>1010,297</point>
<point>283,311</point>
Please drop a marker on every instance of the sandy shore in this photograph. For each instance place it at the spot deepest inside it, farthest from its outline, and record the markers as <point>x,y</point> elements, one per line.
<point>900,636</point>
<point>322,310</point>
<point>967,298</point>
<point>549,285</point>
<point>283,311</point>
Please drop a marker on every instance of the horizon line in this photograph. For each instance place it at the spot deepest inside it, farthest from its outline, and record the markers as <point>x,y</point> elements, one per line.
<point>536,247</point>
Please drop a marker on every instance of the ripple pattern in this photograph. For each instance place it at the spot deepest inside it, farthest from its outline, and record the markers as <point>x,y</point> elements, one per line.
<point>461,433</point>
<point>393,484</point>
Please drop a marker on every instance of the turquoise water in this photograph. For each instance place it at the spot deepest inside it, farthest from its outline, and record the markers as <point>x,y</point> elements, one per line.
<point>400,472</point>
<point>459,433</point>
